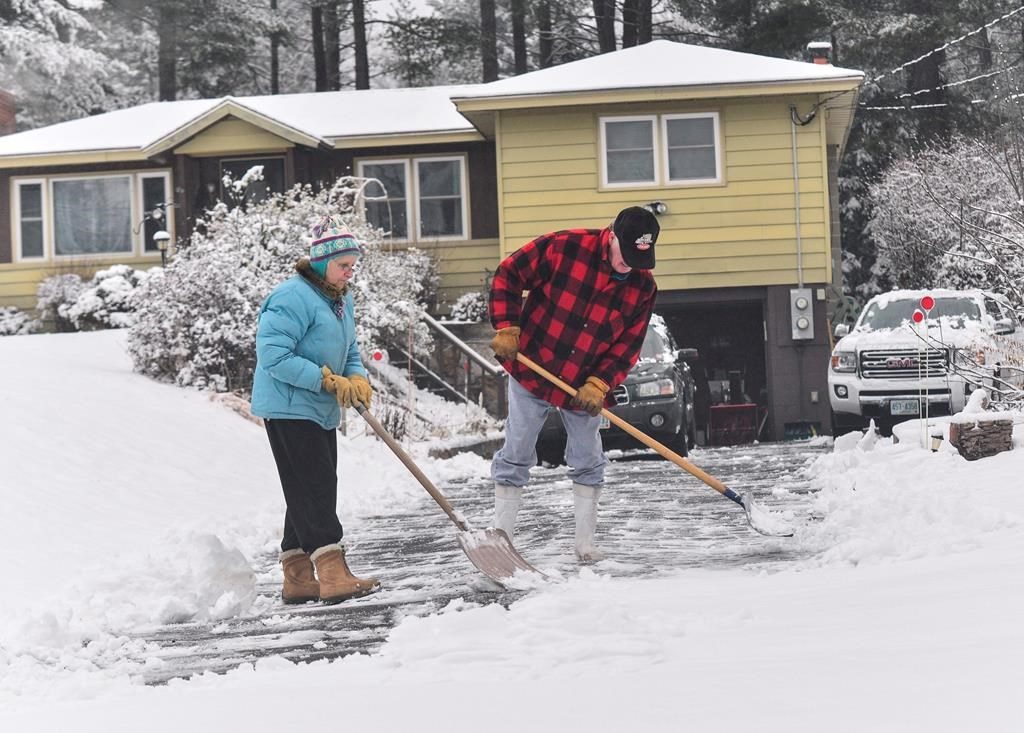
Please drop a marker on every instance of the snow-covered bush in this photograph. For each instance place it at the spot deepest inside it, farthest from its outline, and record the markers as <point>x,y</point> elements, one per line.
<point>54,295</point>
<point>953,217</point>
<point>106,301</point>
<point>470,307</point>
<point>196,323</point>
<point>14,322</point>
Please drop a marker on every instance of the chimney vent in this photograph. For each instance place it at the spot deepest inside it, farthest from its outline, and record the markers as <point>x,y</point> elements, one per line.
<point>820,52</point>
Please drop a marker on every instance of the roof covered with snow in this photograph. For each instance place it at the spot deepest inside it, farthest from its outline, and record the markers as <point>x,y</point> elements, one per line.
<point>659,64</point>
<point>327,116</point>
<point>329,119</point>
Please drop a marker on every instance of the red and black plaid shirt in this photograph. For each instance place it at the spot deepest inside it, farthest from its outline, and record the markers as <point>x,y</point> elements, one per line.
<point>577,320</point>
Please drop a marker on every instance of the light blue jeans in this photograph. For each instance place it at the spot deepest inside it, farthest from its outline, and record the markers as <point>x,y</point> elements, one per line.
<point>526,416</point>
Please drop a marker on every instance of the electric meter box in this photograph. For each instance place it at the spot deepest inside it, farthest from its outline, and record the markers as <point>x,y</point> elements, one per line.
<point>801,314</point>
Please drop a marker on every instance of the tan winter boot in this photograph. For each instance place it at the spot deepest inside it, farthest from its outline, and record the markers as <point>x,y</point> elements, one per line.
<point>300,584</point>
<point>337,583</point>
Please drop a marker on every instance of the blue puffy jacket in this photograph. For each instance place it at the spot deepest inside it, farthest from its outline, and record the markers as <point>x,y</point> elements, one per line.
<point>298,333</point>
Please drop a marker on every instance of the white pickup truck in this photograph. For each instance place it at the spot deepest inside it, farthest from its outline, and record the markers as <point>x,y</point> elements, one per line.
<point>889,368</point>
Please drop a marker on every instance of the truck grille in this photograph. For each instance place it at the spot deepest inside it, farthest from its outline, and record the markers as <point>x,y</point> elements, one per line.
<point>621,395</point>
<point>903,363</point>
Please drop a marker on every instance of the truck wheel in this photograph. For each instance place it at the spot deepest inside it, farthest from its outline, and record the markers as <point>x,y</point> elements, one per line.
<point>551,451</point>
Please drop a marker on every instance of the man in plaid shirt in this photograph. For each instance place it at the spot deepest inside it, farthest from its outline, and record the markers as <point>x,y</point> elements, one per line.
<point>591,293</point>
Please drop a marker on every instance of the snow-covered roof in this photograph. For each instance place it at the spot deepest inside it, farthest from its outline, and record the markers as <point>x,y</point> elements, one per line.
<point>655,65</point>
<point>327,117</point>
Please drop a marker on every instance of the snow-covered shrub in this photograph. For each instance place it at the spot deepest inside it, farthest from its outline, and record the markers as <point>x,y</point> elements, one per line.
<point>196,322</point>
<point>953,216</point>
<point>54,295</point>
<point>106,301</point>
<point>470,307</point>
<point>14,322</point>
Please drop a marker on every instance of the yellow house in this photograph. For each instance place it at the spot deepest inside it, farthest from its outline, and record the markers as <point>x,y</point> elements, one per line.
<point>84,194</point>
<point>736,153</point>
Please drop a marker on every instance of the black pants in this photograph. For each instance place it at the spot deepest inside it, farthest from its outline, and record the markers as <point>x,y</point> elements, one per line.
<point>307,461</point>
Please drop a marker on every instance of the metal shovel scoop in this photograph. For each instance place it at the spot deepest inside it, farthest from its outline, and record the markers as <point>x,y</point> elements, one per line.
<point>490,550</point>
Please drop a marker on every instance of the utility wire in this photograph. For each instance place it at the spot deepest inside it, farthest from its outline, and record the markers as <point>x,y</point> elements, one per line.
<point>944,46</point>
<point>908,95</point>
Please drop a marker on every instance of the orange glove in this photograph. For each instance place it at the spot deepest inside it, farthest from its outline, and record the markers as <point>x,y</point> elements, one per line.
<point>362,392</point>
<point>338,385</point>
<point>506,342</point>
<point>590,397</point>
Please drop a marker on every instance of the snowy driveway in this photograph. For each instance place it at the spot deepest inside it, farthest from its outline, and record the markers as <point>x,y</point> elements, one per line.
<point>654,518</point>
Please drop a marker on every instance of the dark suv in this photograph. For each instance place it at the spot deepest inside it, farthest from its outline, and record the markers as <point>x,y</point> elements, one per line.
<point>656,398</point>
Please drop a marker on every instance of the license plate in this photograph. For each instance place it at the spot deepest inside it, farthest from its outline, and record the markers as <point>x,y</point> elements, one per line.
<point>904,407</point>
<point>605,423</point>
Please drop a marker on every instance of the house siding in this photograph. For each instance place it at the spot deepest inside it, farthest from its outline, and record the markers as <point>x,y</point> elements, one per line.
<point>741,231</point>
<point>463,265</point>
<point>725,248</point>
<point>18,281</point>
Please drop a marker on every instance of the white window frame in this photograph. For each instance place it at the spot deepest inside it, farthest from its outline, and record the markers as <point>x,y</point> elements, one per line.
<point>463,196</point>
<point>412,193</point>
<point>717,178</point>
<point>135,177</point>
<point>168,221</point>
<point>133,217</point>
<point>16,217</point>
<point>653,120</point>
<point>659,124</point>
<point>411,222</point>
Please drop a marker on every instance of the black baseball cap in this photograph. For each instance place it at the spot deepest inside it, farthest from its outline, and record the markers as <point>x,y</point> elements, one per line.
<point>637,229</point>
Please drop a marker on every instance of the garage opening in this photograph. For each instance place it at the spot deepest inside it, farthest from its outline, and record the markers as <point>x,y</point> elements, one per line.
<point>729,372</point>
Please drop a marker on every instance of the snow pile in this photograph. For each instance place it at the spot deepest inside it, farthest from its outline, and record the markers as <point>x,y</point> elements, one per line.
<point>881,501</point>
<point>133,503</point>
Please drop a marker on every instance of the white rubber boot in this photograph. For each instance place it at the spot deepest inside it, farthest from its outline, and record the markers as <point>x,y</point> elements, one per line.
<point>507,500</point>
<point>585,499</point>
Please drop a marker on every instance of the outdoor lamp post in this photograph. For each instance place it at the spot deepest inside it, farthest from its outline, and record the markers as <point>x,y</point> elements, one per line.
<point>162,240</point>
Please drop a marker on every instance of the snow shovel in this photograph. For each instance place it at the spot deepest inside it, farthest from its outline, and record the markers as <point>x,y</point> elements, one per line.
<point>490,550</point>
<point>759,519</point>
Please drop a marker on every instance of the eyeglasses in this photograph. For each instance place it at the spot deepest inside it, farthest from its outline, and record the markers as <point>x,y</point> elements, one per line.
<point>344,267</point>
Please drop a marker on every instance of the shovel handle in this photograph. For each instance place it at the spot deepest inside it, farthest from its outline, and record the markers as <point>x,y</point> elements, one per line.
<point>413,468</point>
<point>641,436</point>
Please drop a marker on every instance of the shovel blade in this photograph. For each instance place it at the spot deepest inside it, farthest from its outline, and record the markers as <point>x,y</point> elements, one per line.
<point>763,521</point>
<point>491,551</point>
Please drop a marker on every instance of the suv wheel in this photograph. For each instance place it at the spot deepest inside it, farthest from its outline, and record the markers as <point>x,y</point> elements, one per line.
<point>680,443</point>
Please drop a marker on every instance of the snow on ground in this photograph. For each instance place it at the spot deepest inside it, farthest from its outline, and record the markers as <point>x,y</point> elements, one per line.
<point>128,503</point>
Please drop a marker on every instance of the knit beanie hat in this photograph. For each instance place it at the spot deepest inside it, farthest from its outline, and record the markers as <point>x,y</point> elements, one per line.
<point>330,240</point>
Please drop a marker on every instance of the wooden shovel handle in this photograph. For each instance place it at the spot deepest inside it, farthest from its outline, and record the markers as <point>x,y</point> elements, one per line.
<point>413,468</point>
<point>641,436</point>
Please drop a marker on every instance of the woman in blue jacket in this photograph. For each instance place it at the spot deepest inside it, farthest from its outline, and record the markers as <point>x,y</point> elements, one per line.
<point>307,368</point>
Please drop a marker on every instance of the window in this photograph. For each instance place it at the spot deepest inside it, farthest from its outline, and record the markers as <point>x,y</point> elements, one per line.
<point>440,197</point>
<point>256,191</point>
<point>76,216</point>
<point>691,148</point>
<point>417,198</point>
<point>92,215</point>
<point>386,204</point>
<point>680,149</point>
<point>629,150</point>
<point>30,213</point>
